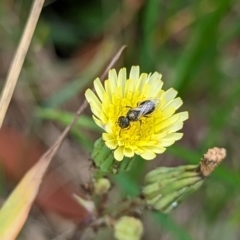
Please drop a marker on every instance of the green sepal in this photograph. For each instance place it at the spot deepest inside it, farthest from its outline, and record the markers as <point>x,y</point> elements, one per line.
<point>102,157</point>
<point>104,160</point>
<point>170,201</point>
<point>167,172</point>
<point>166,187</point>
<point>169,183</point>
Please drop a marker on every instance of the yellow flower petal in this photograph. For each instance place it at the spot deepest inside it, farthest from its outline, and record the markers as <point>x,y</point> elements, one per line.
<point>170,94</point>
<point>148,155</point>
<point>99,88</point>
<point>174,136</point>
<point>167,113</point>
<point>166,142</point>
<point>94,102</point>
<point>109,90</point>
<point>158,149</point>
<point>112,74</point>
<point>98,122</point>
<point>118,153</point>
<point>141,82</point>
<point>175,127</point>
<point>111,144</point>
<point>167,122</point>
<point>155,78</point>
<point>183,116</point>
<point>176,103</point>
<point>92,98</point>
<point>128,152</point>
<point>107,137</point>
<point>122,77</point>
<point>156,88</point>
<point>134,73</point>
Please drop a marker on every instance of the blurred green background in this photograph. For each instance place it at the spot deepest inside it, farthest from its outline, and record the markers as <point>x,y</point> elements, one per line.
<point>194,44</point>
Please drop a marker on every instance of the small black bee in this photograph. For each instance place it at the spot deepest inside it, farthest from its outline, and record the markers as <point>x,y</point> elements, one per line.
<point>134,114</point>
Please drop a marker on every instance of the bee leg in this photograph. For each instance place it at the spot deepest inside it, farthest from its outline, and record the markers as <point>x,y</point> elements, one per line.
<point>122,129</point>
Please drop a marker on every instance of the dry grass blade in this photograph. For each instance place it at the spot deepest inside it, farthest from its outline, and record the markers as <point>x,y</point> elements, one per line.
<point>19,58</point>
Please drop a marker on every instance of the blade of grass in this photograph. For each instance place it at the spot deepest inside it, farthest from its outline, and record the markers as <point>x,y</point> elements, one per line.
<point>19,58</point>
<point>202,47</point>
<point>127,183</point>
<point>220,116</point>
<point>150,23</point>
<point>65,118</point>
<point>83,140</point>
<point>167,223</point>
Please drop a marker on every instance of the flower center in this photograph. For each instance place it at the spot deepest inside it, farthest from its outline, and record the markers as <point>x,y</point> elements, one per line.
<point>128,126</point>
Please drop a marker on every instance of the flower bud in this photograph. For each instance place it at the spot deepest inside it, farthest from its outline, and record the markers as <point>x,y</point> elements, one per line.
<point>101,186</point>
<point>128,228</point>
<point>166,187</point>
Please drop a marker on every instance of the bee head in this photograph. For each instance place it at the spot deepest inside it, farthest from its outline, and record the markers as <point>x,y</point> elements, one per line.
<point>123,122</point>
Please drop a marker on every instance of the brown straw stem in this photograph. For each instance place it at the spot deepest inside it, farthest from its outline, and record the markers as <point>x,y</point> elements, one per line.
<point>19,58</point>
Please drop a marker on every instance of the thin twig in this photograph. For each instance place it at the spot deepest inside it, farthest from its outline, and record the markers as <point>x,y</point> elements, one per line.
<point>113,61</point>
<point>19,58</point>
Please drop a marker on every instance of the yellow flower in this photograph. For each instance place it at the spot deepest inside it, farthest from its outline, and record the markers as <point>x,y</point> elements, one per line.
<point>151,134</point>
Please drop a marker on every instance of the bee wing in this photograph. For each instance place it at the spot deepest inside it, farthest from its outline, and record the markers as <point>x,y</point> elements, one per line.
<point>142,111</point>
<point>156,101</point>
<point>146,108</point>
